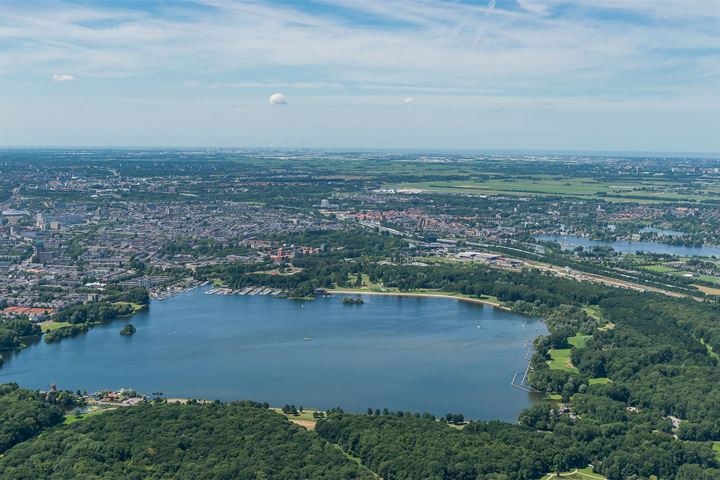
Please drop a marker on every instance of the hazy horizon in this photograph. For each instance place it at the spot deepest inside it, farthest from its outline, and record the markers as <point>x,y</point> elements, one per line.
<point>438,151</point>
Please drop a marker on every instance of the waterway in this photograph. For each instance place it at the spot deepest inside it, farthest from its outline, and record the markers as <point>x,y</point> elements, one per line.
<point>572,241</point>
<point>402,353</point>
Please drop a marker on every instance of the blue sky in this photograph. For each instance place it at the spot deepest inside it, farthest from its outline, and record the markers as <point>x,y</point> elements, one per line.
<point>505,74</point>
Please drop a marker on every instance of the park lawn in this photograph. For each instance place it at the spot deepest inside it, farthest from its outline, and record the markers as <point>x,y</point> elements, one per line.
<point>593,311</point>
<point>560,357</point>
<point>49,325</point>
<point>716,449</point>
<point>136,306</point>
<point>579,341</point>
<point>560,360</point>
<point>599,381</point>
<point>70,419</point>
<point>286,272</point>
<point>306,415</point>
<point>658,268</point>
<point>707,278</point>
<point>366,283</point>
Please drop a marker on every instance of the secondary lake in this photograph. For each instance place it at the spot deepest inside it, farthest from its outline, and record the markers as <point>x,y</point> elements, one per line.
<point>572,241</point>
<point>402,353</point>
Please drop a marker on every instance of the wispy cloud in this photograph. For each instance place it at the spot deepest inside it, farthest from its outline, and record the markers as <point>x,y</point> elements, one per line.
<point>534,6</point>
<point>642,55</point>
<point>429,44</point>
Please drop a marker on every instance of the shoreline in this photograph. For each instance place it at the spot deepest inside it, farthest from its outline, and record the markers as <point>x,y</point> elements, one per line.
<point>421,294</point>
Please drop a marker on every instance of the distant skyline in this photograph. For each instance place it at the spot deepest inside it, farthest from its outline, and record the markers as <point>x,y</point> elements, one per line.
<point>542,75</point>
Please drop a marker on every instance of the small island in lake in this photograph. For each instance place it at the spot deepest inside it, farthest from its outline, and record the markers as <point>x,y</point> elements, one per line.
<point>353,301</point>
<point>128,329</point>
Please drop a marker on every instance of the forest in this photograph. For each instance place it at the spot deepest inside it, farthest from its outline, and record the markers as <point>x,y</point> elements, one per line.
<point>236,441</point>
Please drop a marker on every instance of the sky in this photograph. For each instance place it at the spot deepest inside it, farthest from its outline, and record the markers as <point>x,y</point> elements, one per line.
<point>625,75</point>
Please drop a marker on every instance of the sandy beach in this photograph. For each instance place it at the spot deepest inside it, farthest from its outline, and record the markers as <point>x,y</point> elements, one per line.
<point>420,294</point>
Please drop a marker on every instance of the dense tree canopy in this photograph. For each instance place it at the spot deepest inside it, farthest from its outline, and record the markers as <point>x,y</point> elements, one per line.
<point>237,441</point>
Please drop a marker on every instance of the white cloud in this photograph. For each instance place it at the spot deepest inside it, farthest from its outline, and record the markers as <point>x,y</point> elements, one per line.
<point>520,52</point>
<point>533,6</point>
<point>408,100</point>
<point>277,99</point>
<point>653,53</point>
<point>62,77</point>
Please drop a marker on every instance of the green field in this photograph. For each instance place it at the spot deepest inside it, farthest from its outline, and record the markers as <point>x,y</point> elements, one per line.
<point>306,415</point>
<point>49,325</point>
<point>640,190</point>
<point>706,278</point>
<point>136,306</point>
<point>70,419</point>
<point>716,449</point>
<point>560,360</point>
<point>659,268</point>
<point>560,357</point>
<point>599,381</point>
<point>579,341</point>
<point>593,311</point>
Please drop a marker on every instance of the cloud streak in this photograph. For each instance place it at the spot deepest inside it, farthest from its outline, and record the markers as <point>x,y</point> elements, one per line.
<point>250,44</point>
<point>622,58</point>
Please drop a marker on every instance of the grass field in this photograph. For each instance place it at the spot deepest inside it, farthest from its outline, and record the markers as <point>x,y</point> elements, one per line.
<point>560,357</point>
<point>707,278</point>
<point>593,311</point>
<point>560,360</point>
<point>599,381</point>
<point>716,449</point>
<point>658,268</point>
<point>49,325</point>
<point>136,306</point>
<point>70,419</point>
<point>579,341</point>
<point>306,415</point>
<point>640,190</point>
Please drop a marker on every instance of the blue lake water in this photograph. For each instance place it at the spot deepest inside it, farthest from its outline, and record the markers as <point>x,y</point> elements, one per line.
<point>571,241</point>
<point>420,354</point>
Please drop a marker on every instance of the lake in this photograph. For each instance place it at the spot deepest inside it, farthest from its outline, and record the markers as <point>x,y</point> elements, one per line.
<point>571,241</point>
<point>402,353</point>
